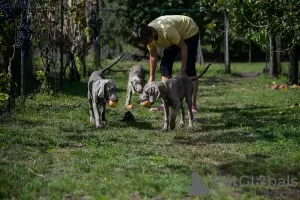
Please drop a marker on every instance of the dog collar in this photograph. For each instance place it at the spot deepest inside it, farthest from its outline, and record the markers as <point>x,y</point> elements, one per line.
<point>164,84</point>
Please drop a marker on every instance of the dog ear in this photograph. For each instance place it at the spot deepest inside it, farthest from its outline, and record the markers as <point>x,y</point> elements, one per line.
<point>131,87</point>
<point>101,88</point>
<point>154,94</point>
<point>157,91</point>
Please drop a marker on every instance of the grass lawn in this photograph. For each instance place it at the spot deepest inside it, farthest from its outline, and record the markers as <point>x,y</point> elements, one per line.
<point>49,150</point>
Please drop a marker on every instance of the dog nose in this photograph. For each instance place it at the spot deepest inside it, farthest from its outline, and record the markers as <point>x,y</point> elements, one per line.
<point>114,98</point>
<point>141,100</point>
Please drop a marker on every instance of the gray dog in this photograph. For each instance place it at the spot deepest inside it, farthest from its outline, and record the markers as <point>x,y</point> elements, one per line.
<point>100,92</point>
<point>136,82</point>
<point>172,92</point>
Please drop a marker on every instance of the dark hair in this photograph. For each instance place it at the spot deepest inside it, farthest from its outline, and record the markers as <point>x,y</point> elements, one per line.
<point>142,31</point>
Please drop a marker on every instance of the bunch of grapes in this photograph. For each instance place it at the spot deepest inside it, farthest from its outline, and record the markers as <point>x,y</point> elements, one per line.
<point>23,34</point>
<point>9,11</point>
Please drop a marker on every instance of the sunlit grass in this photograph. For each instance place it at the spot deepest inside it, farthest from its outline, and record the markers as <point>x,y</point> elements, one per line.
<point>49,150</point>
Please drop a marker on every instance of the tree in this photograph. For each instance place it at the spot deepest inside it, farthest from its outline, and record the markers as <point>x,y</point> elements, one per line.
<point>14,33</point>
<point>274,18</point>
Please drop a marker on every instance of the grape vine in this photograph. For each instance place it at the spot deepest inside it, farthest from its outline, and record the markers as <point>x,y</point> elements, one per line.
<point>9,12</point>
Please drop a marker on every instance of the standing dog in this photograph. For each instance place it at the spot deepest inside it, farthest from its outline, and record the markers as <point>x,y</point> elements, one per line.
<point>100,92</point>
<point>172,92</point>
<point>136,81</point>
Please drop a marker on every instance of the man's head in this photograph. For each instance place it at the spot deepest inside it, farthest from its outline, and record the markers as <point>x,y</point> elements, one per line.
<point>143,33</point>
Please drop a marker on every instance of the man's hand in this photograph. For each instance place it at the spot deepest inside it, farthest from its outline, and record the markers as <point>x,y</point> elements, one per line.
<point>183,54</point>
<point>151,79</point>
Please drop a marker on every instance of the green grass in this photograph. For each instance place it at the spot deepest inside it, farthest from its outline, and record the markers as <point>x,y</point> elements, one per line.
<point>49,150</point>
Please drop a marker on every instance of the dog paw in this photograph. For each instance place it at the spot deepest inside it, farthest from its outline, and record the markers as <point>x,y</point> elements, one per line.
<point>92,120</point>
<point>99,127</point>
<point>181,124</point>
<point>165,128</point>
<point>190,128</point>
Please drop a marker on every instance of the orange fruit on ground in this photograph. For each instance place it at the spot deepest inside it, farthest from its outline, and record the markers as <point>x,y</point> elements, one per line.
<point>294,86</point>
<point>275,86</point>
<point>112,104</point>
<point>130,107</point>
<point>146,104</point>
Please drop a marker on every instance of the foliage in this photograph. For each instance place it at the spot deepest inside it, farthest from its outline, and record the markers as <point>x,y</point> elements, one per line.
<point>44,84</point>
<point>4,87</point>
<point>5,30</point>
<point>254,19</point>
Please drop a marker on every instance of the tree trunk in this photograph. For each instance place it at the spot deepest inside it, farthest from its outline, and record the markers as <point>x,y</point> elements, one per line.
<point>273,62</point>
<point>61,76</point>
<point>200,53</point>
<point>293,68</point>
<point>278,53</point>
<point>226,45</point>
<point>25,47</point>
<point>83,64</point>
<point>2,63</point>
<point>250,52</point>
<point>96,48</point>
<point>96,45</point>
<point>30,79</point>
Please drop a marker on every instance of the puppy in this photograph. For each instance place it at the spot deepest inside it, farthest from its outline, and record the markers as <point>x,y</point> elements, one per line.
<point>172,92</point>
<point>136,82</point>
<point>100,92</point>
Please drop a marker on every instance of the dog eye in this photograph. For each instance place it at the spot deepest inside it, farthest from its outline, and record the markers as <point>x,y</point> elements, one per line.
<point>112,89</point>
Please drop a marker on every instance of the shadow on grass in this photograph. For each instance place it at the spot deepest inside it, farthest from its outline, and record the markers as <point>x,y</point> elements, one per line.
<point>55,107</point>
<point>81,88</point>
<point>257,164</point>
<point>214,80</point>
<point>251,124</point>
<point>143,125</point>
<point>76,89</point>
<point>244,125</point>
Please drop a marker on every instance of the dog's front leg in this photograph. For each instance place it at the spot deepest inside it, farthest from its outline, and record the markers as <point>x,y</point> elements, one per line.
<point>101,109</point>
<point>98,119</point>
<point>129,95</point>
<point>103,114</point>
<point>181,123</point>
<point>166,116</point>
<point>176,107</point>
<point>190,113</point>
<point>92,118</point>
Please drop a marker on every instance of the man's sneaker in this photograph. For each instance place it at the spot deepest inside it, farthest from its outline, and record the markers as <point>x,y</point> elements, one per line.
<point>194,110</point>
<point>158,108</point>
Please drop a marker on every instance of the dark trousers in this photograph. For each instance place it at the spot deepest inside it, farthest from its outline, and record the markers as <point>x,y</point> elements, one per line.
<point>169,55</point>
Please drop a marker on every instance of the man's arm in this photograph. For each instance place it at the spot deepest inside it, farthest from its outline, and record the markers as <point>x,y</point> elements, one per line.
<point>183,53</point>
<point>153,63</point>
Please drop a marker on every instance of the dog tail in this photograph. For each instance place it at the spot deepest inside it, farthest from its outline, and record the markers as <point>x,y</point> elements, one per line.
<point>202,73</point>
<point>107,68</point>
<point>120,70</point>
